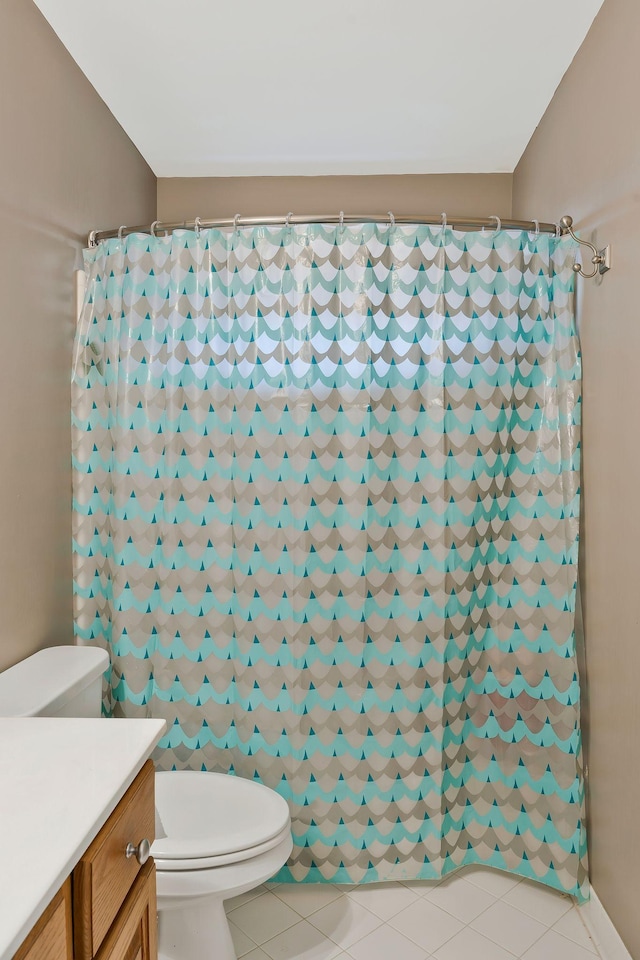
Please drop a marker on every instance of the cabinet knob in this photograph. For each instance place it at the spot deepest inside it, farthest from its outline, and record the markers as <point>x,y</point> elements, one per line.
<point>141,852</point>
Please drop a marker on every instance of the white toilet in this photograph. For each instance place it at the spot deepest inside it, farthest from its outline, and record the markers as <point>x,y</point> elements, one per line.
<point>217,836</point>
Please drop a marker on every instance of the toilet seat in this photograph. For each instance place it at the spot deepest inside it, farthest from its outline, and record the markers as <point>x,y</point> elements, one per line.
<point>206,863</point>
<point>207,820</point>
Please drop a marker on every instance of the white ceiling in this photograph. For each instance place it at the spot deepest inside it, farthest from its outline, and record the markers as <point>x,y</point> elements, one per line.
<point>252,87</point>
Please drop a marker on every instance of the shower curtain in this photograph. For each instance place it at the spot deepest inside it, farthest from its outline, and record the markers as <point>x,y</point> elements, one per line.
<point>326,498</point>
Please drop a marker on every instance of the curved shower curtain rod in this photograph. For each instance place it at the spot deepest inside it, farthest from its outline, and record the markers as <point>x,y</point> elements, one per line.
<point>601,259</point>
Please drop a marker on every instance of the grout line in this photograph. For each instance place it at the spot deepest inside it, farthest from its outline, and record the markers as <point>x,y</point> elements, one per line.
<point>529,917</point>
<point>360,939</point>
<point>256,894</point>
<point>251,948</point>
<point>341,894</point>
<point>596,956</point>
<point>284,929</point>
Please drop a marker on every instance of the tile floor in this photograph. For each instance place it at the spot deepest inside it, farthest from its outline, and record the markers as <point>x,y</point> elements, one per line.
<point>478,914</point>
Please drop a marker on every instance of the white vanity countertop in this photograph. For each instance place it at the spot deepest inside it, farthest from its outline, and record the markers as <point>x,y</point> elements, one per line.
<point>59,781</point>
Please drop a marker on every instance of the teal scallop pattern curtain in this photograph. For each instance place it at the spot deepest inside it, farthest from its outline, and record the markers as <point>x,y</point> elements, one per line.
<point>326,499</point>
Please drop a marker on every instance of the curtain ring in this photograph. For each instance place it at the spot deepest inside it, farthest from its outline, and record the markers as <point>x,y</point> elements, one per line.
<point>392,220</point>
<point>236,220</point>
<point>287,221</point>
<point>498,223</point>
<point>558,231</point>
<point>197,223</point>
<point>120,232</point>
<point>444,221</point>
<point>341,219</point>
<point>153,227</point>
<point>537,225</point>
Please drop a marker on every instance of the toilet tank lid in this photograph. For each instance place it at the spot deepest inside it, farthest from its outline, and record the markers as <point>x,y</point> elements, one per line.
<point>39,685</point>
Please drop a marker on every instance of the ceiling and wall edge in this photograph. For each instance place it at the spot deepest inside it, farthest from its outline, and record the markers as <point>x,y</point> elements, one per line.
<point>290,89</point>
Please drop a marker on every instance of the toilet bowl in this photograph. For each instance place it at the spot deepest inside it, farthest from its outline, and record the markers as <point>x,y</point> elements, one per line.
<point>217,836</point>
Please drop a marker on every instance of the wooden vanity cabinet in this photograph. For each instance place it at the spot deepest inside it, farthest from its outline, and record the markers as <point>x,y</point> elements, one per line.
<point>106,910</point>
<point>51,938</point>
<point>133,936</point>
<point>104,876</point>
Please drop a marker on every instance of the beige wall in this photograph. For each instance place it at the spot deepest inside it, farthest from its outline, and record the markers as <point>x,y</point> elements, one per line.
<point>65,166</point>
<point>584,159</point>
<point>468,194</point>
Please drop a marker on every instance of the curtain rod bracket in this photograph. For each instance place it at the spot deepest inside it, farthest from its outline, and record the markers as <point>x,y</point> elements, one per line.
<point>601,259</point>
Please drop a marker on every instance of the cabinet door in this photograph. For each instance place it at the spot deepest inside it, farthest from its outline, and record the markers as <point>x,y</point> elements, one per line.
<point>133,936</point>
<point>51,937</point>
<point>104,875</point>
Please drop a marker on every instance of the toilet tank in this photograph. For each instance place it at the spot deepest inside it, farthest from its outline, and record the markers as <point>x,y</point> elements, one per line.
<point>55,682</point>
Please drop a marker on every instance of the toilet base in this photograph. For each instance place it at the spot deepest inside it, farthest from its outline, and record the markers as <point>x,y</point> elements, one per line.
<point>199,931</point>
<point>192,924</point>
